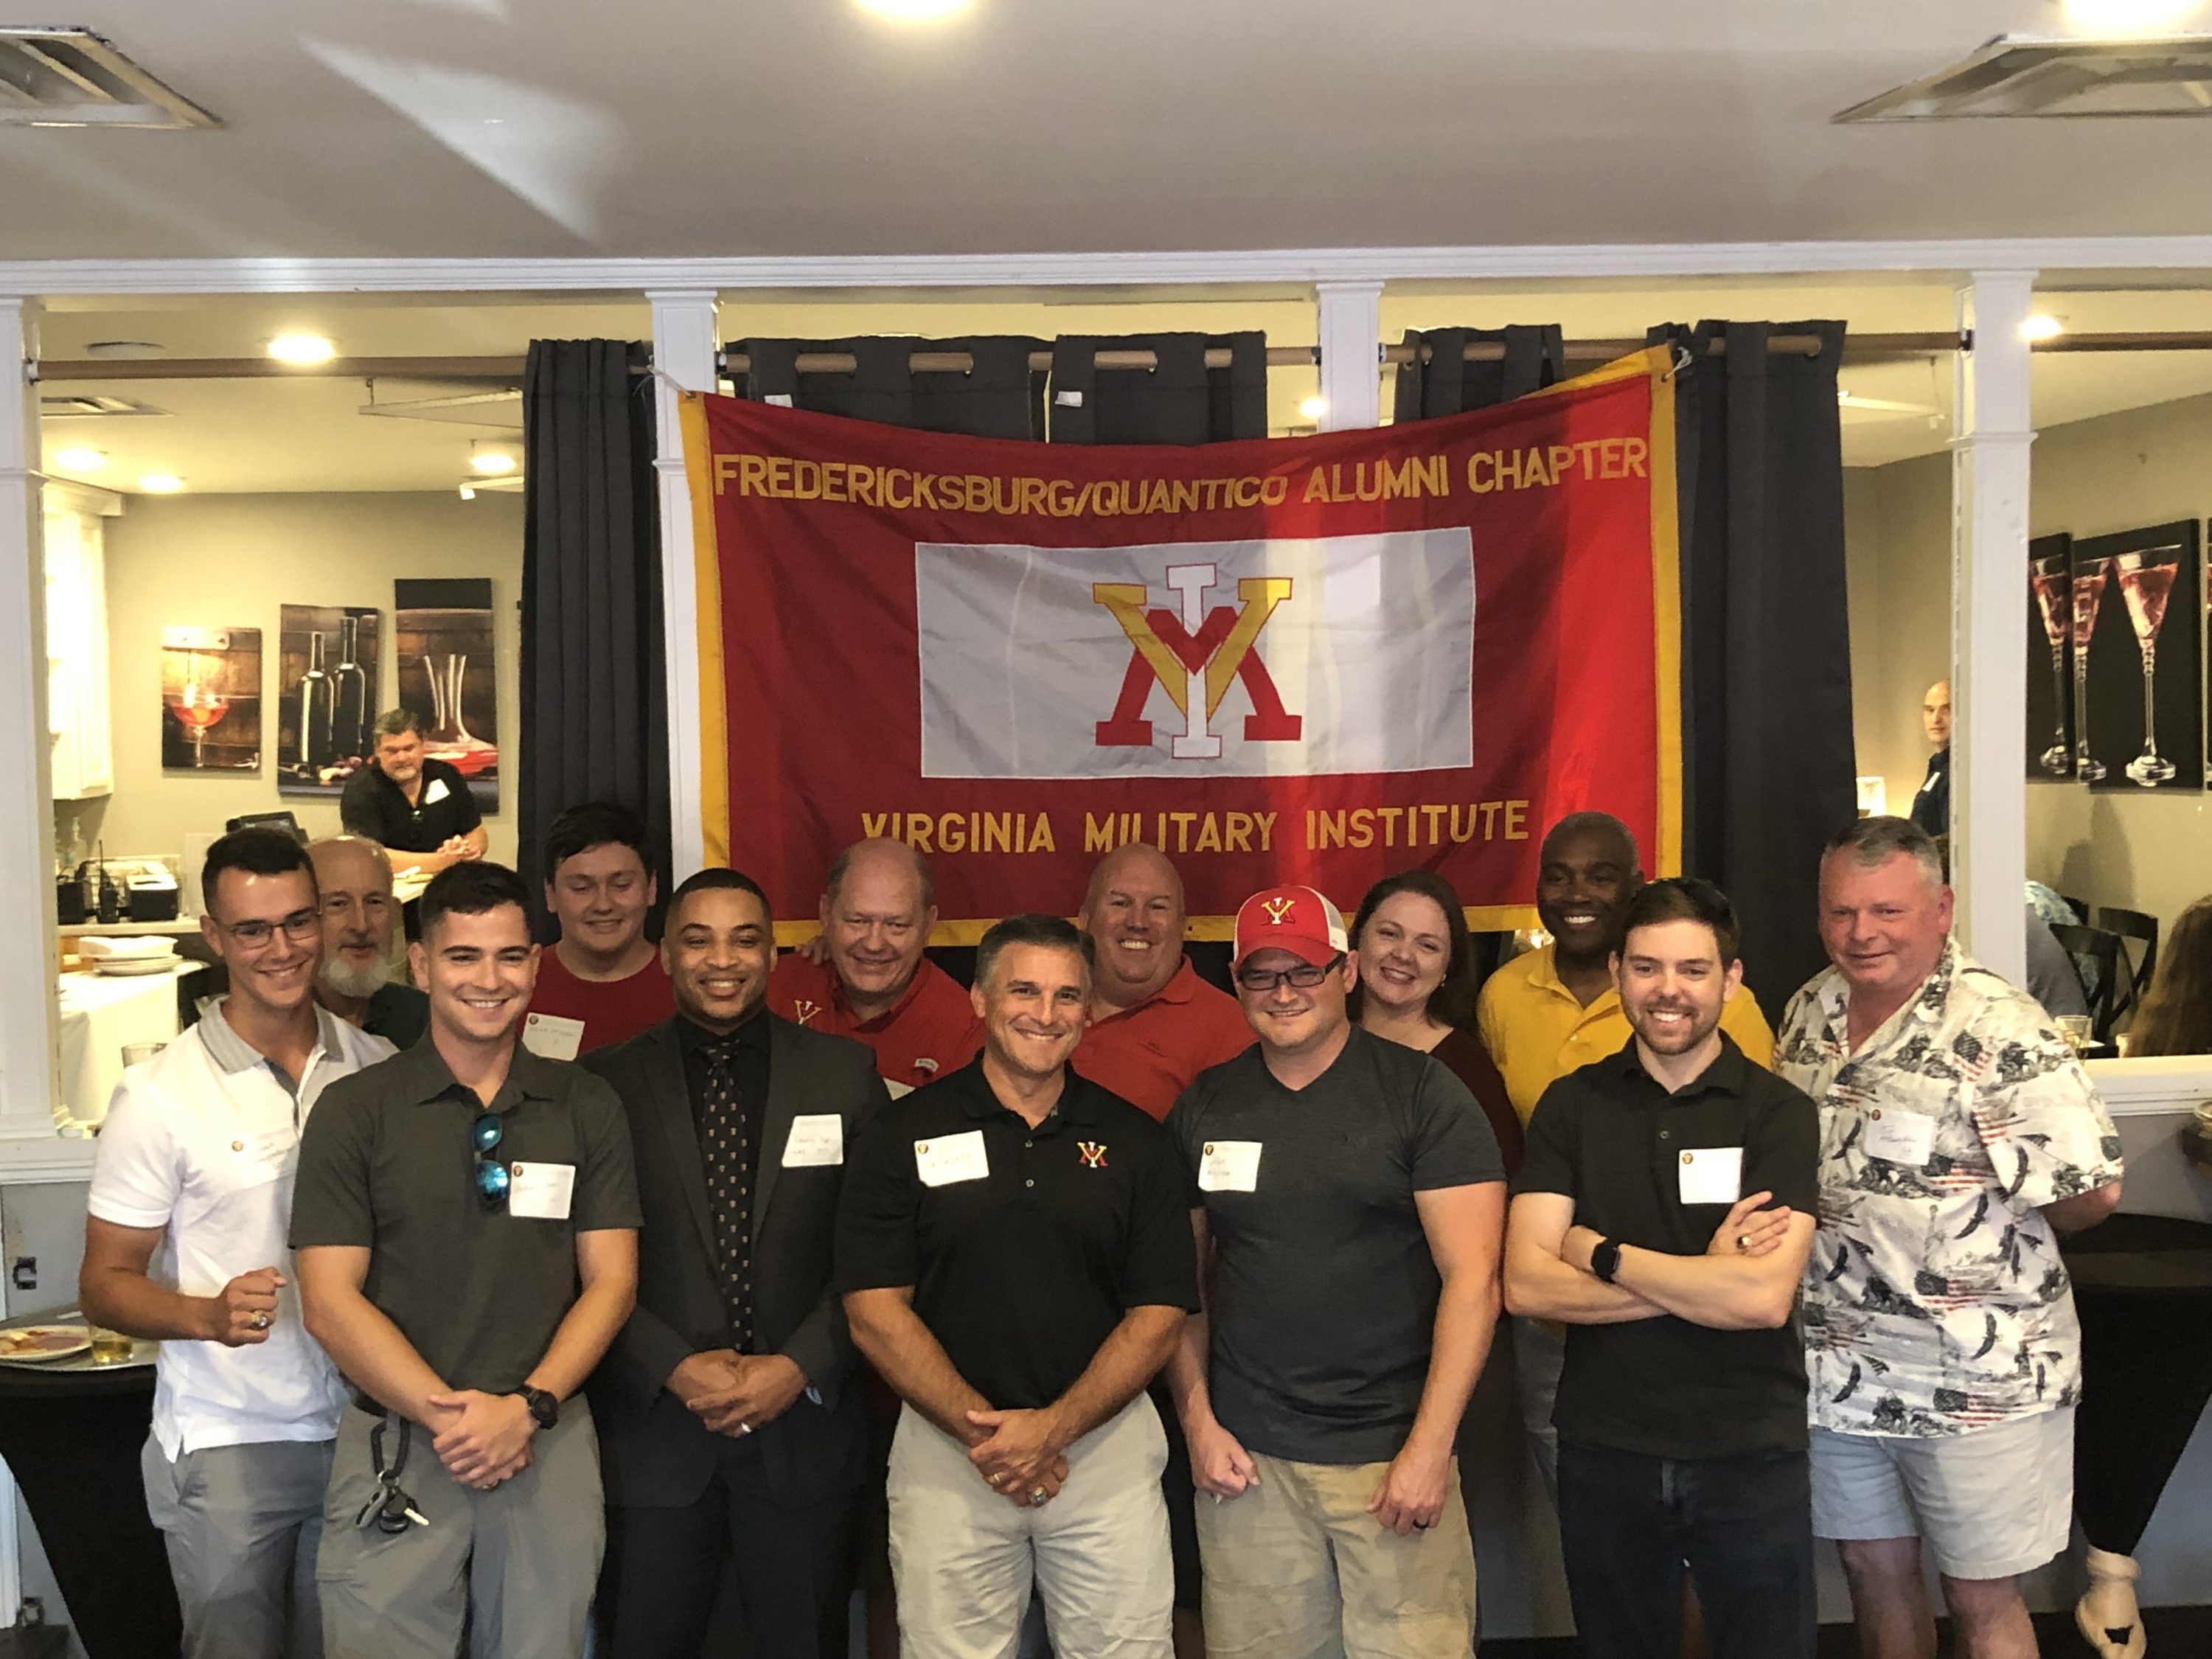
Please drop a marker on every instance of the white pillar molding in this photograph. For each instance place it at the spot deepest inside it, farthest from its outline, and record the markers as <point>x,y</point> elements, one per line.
<point>1351,335</point>
<point>684,341</point>
<point>1989,623</point>
<point>28,1015</point>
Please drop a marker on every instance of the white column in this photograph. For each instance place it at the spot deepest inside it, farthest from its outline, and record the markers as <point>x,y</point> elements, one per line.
<point>1351,334</point>
<point>27,824</point>
<point>1989,623</point>
<point>684,341</point>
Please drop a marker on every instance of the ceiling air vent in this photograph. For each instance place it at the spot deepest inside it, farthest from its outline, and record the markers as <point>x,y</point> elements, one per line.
<point>67,405</point>
<point>71,77</point>
<point>2014,76</point>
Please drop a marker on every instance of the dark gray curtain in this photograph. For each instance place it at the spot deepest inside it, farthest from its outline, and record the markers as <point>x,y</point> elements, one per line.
<point>1766,661</point>
<point>594,697</point>
<point>1447,384</point>
<point>1180,402</point>
<point>1001,397</point>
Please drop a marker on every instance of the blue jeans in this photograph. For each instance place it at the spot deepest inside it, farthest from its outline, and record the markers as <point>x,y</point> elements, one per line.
<point>1630,1524</point>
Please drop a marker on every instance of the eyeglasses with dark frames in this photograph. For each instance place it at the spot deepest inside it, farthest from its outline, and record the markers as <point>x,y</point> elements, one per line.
<point>1304,977</point>
<point>255,933</point>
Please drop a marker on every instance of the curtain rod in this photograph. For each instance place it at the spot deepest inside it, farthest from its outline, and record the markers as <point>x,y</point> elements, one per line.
<point>509,370</point>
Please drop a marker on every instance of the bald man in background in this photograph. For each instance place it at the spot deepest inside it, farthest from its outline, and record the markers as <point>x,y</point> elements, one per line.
<point>865,975</point>
<point>354,875</point>
<point>1155,1024</point>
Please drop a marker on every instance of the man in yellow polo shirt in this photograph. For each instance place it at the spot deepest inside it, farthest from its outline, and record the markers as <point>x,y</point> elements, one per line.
<point>1553,1011</point>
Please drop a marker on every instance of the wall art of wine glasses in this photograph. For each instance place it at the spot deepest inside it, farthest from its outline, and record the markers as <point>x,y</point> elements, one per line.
<point>2050,658</point>
<point>326,696</point>
<point>211,699</point>
<point>2138,645</point>
<point>441,640</point>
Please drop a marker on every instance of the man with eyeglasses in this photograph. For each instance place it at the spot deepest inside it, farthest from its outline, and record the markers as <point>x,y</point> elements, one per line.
<point>467,1224</point>
<point>1349,1201</point>
<point>354,877</point>
<point>195,1167</point>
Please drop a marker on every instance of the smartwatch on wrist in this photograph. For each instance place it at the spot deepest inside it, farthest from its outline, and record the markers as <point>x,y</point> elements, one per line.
<point>544,1409</point>
<point>1605,1260</point>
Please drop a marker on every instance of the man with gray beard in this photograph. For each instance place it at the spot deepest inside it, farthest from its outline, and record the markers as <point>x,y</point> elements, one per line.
<point>354,877</point>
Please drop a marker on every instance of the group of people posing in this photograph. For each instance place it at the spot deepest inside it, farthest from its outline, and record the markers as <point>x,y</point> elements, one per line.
<point>694,1286</point>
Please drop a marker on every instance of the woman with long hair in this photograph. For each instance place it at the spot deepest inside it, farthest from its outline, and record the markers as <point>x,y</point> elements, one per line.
<point>2176,1016</point>
<point>1417,987</point>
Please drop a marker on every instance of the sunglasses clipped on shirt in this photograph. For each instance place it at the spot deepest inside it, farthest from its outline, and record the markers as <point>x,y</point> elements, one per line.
<point>1304,977</point>
<point>493,1179</point>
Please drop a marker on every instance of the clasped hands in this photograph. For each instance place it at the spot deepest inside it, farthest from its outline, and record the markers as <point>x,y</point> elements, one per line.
<point>1019,1453</point>
<point>734,1393</point>
<point>481,1439</point>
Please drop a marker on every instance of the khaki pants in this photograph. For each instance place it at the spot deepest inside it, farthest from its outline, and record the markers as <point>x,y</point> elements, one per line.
<point>964,1557</point>
<point>514,1567</point>
<point>1296,1568</point>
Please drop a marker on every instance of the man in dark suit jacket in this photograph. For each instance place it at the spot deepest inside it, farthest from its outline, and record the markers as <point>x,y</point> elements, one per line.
<point>731,1436</point>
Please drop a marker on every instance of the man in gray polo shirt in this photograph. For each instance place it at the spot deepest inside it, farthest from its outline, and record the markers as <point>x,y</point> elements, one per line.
<point>1351,1198</point>
<point>465,1221</point>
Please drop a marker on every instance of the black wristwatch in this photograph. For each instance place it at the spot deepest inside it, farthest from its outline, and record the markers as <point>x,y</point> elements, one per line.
<point>1605,1260</point>
<point>544,1409</point>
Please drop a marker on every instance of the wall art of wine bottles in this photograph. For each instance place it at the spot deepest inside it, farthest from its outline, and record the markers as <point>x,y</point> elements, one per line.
<point>326,678</point>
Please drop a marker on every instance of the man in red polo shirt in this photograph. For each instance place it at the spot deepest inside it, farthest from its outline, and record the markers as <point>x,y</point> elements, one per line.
<point>877,987</point>
<point>1155,1024</point>
<point>603,983</point>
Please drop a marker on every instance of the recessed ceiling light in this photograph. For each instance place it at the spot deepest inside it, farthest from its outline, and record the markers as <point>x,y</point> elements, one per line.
<point>492,462</point>
<point>2129,18</point>
<point>161,484</point>
<point>915,11</point>
<point>1313,408</point>
<point>111,350</point>
<point>304,349</point>
<point>80,461</point>
<point>2041,327</point>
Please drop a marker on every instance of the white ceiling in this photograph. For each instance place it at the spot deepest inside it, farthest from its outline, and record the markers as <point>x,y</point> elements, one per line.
<point>551,128</point>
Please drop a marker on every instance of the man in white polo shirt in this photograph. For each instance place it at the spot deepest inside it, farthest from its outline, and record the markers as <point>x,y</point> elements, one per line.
<point>191,1195</point>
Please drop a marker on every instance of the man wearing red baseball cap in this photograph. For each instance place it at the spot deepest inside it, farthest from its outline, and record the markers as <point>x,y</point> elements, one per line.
<point>1348,1196</point>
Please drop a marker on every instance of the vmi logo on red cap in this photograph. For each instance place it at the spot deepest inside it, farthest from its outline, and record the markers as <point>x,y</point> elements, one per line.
<point>1280,910</point>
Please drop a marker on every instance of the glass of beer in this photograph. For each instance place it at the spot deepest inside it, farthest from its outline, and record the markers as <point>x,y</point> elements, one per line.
<point>109,1347</point>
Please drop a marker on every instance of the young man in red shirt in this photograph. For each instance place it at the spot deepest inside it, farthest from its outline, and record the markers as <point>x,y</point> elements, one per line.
<point>603,983</point>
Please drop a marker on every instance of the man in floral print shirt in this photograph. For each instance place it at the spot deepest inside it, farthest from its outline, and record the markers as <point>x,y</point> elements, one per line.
<point>1958,1136</point>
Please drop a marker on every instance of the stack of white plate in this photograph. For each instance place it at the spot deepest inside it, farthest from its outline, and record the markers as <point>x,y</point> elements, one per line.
<point>125,955</point>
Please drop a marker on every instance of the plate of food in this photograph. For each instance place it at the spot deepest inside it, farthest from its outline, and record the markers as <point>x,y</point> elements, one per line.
<point>36,1344</point>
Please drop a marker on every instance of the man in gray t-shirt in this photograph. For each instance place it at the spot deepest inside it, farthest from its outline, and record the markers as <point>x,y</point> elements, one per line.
<point>1349,1200</point>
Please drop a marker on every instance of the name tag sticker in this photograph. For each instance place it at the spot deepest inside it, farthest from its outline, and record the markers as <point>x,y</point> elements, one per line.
<point>940,1162</point>
<point>815,1139</point>
<point>1899,1136</point>
<point>541,1191</point>
<point>265,1155</point>
<point>1229,1166</point>
<point>549,1036</point>
<point>436,792</point>
<point>1711,1175</point>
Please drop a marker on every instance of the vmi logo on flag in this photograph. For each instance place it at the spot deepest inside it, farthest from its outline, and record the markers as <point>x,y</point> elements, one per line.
<point>1338,654</point>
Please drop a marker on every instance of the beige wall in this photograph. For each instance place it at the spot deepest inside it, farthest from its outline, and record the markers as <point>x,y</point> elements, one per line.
<point>232,560</point>
<point>2143,466</point>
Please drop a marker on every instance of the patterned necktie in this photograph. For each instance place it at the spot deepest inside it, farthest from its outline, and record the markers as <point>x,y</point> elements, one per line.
<point>729,1188</point>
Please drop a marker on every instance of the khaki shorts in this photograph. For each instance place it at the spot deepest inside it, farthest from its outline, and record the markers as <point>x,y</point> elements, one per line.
<point>1296,1568</point>
<point>1994,1502</point>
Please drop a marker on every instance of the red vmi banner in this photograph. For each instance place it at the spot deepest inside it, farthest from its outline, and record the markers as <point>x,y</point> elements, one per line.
<point>1313,659</point>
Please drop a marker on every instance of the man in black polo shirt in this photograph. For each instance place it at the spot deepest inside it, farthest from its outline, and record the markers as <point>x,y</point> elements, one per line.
<point>418,808</point>
<point>1350,1194</point>
<point>1664,1213</point>
<point>465,1221</point>
<point>1015,1261</point>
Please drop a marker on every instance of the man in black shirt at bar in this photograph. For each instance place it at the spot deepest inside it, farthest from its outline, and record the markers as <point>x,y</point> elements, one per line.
<point>1664,1213</point>
<point>1015,1261</point>
<point>418,808</point>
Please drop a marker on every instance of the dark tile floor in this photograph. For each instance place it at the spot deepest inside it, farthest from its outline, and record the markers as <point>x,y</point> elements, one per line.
<point>2174,1633</point>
